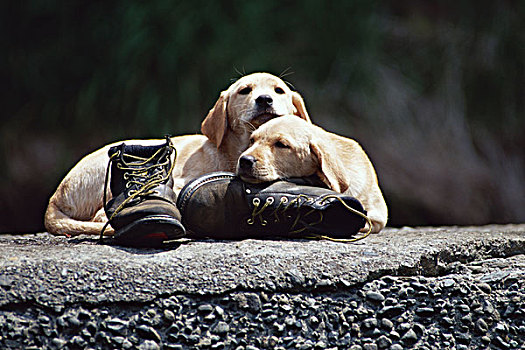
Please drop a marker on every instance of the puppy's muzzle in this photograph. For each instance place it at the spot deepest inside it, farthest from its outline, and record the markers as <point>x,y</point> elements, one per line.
<point>246,163</point>
<point>264,101</point>
<point>263,111</point>
<point>246,167</point>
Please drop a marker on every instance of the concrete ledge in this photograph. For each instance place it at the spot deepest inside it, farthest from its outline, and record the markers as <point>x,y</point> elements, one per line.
<point>455,287</point>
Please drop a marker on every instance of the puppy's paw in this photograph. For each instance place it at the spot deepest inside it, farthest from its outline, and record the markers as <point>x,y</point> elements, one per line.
<point>376,227</point>
<point>365,229</point>
<point>100,216</point>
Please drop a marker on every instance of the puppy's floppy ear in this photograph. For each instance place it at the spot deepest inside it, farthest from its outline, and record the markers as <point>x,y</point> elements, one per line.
<point>300,108</point>
<point>215,125</point>
<point>330,170</point>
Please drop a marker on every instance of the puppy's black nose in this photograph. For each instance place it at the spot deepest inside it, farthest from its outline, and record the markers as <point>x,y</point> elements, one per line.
<point>247,162</point>
<point>264,101</point>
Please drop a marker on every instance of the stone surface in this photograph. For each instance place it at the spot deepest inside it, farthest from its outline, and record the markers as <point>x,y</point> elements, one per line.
<point>455,287</point>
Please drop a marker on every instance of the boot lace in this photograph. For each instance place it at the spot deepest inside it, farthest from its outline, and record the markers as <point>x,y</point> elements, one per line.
<point>139,176</point>
<point>284,211</point>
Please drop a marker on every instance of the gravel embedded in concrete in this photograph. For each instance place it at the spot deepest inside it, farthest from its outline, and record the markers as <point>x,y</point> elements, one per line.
<point>471,297</point>
<point>342,319</point>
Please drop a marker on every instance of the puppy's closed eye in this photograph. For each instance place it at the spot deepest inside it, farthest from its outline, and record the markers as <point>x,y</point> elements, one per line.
<point>245,91</point>
<point>281,144</point>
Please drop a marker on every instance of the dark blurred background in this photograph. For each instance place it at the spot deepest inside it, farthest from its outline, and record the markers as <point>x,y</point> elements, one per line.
<point>434,91</point>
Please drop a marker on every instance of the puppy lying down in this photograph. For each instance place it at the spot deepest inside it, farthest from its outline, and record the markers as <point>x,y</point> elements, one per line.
<point>291,147</point>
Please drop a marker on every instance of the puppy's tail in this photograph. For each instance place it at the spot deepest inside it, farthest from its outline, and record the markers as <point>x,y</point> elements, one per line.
<point>60,224</point>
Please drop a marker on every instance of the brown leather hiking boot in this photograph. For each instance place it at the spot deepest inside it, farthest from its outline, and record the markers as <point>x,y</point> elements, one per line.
<point>220,205</point>
<point>143,209</point>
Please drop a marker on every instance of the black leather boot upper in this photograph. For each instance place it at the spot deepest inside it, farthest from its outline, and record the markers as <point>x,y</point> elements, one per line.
<point>220,205</point>
<point>143,203</point>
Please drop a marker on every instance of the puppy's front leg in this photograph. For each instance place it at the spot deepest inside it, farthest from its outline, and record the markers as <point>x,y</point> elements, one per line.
<point>376,208</point>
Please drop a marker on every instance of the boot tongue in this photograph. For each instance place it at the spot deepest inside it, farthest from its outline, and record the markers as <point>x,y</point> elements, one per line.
<point>143,151</point>
<point>118,183</point>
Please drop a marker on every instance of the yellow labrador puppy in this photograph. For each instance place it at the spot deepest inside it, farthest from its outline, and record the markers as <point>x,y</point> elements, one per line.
<point>77,205</point>
<point>290,147</point>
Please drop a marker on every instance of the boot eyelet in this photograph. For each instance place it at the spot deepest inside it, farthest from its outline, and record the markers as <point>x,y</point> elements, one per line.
<point>284,200</point>
<point>264,222</point>
<point>310,200</point>
<point>256,201</point>
<point>128,184</point>
<point>249,221</point>
<point>126,176</point>
<point>248,191</point>
<point>269,200</point>
<point>132,192</point>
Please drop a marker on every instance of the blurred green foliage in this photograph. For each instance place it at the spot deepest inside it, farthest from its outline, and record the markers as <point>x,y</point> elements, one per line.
<point>143,68</point>
<point>78,74</point>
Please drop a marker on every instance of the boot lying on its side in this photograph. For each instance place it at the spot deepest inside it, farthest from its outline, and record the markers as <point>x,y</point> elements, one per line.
<point>143,209</point>
<point>220,205</point>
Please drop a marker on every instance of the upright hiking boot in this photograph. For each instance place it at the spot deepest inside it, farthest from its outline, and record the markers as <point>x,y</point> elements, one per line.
<point>143,209</point>
<point>220,205</point>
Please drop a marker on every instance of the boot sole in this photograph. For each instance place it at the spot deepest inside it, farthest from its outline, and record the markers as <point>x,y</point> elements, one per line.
<point>151,231</point>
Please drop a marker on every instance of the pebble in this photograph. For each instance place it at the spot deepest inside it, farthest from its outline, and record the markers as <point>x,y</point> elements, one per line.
<point>485,339</point>
<point>464,308</point>
<point>149,333</point>
<point>73,321</point>
<point>221,328</point>
<point>447,283</point>
<point>117,325</point>
<point>59,343</point>
<point>447,321</point>
<point>249,301</point>
<point>149,345</point>
<point>369,346</point>
<point>391,311</point>
<point>375,296</point>
<point>418,328</point>
<point>394,335</point>
<point>409,338</point>
<point>205,308</point>
<point>6,282</point>
<point>425,311</point>
<point>370,323</point>
<point>383,342</point>
<point>485,287</point>
<point>169,315</point>
<point>404,327</point>
<point>387,324</point>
